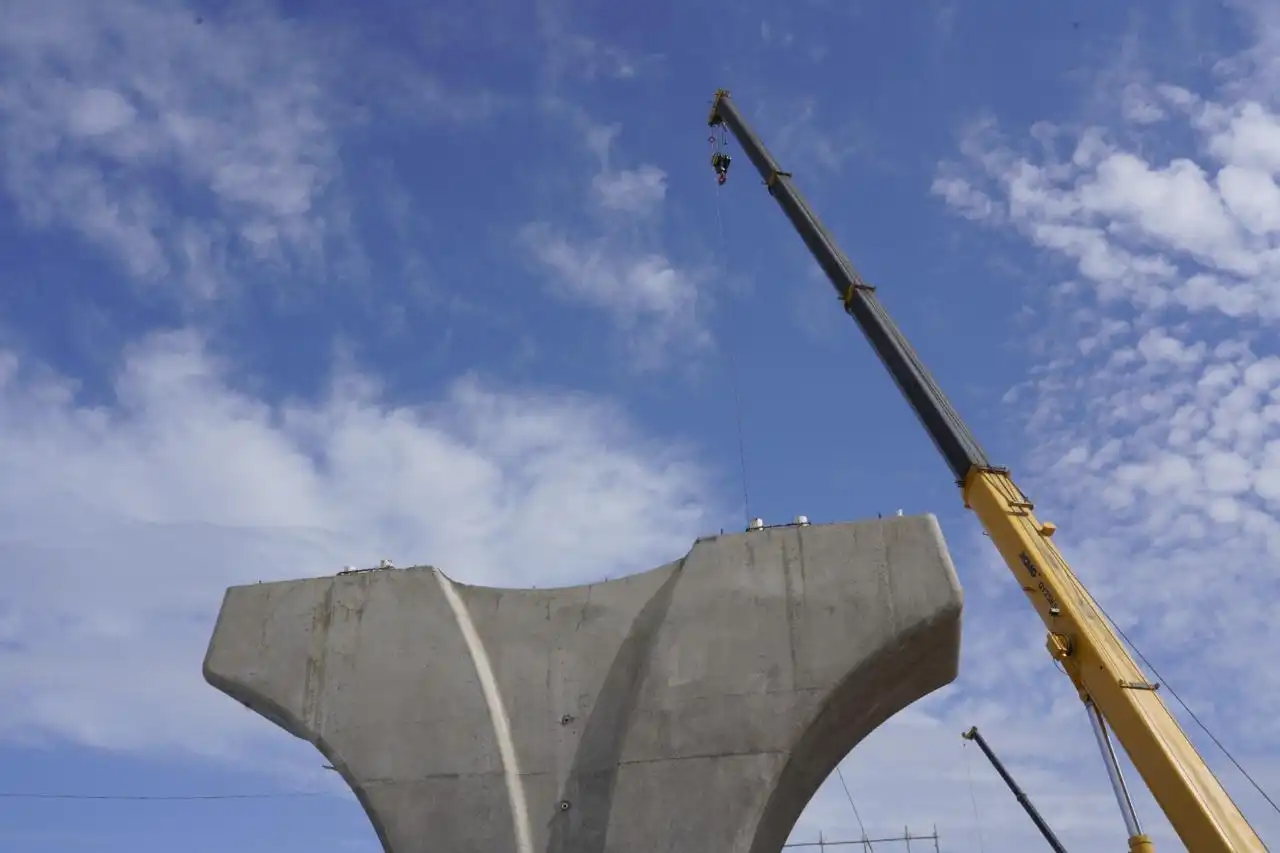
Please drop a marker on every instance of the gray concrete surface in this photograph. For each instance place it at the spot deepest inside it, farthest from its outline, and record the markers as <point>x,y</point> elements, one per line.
<point>695,707</point>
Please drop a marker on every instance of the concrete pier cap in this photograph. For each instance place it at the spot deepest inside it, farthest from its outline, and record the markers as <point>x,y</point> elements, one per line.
<point>695,706</point>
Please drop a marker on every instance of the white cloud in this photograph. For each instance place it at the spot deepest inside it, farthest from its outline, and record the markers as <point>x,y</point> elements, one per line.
<point>1154,408</point>
<point>638,191</point>
<point>100,100</point>
<point>96,112</point>
<point>571,54</point>
<point>194,152</point>
<point>1139,107</point>
<point>1204,236</point>
<point>620,264</point>
<point>1157,414</point>
<point>805,134</point>
<point>130,521</point>
<point>654,302</point>
<point>591,59</point>
<point>770,36</point>
<point>964,198</point>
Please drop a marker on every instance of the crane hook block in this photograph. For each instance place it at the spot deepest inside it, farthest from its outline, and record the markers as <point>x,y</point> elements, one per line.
<point>720,162</point>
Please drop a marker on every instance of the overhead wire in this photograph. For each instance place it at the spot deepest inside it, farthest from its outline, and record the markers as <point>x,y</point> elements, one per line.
<point>269,795</point>
<point>865,839</point>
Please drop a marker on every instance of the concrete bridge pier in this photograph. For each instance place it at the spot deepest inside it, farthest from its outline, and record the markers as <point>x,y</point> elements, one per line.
<point>693,708</point>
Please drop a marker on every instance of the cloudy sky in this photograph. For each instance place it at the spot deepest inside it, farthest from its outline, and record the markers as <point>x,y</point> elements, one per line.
<point>294,286</point>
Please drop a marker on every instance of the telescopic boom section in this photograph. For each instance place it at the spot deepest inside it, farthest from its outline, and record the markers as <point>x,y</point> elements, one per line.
<point>1023,800</point>
<point>948,432</point>
<point>1103,672</point>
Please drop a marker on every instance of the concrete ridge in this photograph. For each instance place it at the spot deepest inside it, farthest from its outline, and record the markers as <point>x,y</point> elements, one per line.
<point>497,714</point>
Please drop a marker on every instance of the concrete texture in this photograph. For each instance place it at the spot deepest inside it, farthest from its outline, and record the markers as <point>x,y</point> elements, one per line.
<point>694,707</point>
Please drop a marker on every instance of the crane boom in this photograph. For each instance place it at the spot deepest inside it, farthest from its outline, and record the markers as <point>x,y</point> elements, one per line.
<point>1018,794</point>
<point>1108,680</point>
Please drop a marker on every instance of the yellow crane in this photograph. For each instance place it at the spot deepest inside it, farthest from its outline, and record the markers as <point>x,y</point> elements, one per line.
<point>1117,695</point>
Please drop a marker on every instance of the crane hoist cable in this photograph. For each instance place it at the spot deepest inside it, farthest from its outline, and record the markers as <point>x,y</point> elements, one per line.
<point>719,142</point>
<point>720,162</point>
<point>973,798</point>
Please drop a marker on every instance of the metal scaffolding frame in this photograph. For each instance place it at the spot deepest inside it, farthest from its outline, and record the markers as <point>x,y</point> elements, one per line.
<point>906,837</point>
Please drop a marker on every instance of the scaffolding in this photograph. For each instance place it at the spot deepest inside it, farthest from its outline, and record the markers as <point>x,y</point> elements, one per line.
<point>906,837</point>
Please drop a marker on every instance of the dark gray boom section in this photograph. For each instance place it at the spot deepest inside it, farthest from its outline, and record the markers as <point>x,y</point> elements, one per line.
<point>953,439</point>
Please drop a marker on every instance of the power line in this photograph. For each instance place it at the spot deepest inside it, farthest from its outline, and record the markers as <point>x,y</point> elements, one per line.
<point>278,795</point>
<point>849,796</point>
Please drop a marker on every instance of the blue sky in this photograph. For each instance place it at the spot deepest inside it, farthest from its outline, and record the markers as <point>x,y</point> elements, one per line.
<point>295,286</point>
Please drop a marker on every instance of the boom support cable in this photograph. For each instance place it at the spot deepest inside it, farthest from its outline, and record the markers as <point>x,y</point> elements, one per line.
<point>1190,713</point>
<point>1050,555</point>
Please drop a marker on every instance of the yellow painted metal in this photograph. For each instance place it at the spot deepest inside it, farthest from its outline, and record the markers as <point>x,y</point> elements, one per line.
<point>1141,844</point>
<point>1199,808</point>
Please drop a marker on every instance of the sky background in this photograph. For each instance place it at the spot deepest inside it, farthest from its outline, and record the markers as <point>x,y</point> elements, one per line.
<point>290,287</point>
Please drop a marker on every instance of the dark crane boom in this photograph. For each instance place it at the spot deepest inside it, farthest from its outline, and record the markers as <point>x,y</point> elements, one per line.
<point>1018,794</point>
<point>953,439</point>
